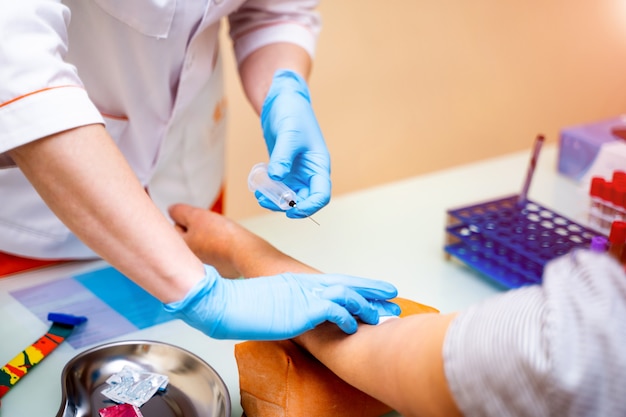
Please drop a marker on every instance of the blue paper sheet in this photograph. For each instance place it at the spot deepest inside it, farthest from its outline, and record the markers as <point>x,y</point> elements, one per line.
<point>113,305</point>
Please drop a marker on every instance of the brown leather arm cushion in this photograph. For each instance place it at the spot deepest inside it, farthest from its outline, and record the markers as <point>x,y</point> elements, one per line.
<point>281,379</point>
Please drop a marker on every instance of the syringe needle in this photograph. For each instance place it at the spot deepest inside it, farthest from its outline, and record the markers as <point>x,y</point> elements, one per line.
<point>313,220</point>
<point>293,204</point>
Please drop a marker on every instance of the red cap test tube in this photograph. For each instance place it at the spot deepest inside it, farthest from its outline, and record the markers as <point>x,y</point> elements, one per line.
<point>617,240</point>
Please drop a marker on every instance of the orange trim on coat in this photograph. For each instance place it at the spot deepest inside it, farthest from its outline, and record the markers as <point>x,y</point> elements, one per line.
<point>114,117</point>
<point>13,100</point>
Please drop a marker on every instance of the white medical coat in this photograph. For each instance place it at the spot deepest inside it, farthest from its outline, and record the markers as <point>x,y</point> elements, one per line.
<point>149,70</point>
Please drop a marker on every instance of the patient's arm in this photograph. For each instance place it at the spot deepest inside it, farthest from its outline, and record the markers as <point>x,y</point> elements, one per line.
<point>398,362</point>
<point>232,249</point>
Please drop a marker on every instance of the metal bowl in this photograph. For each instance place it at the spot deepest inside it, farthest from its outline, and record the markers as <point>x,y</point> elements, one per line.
<point>195,389</point>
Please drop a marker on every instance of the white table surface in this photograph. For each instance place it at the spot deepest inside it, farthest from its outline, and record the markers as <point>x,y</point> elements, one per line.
<point>393,232</point>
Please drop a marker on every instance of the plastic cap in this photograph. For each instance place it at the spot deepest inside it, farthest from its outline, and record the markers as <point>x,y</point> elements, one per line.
<point>619,176</point>
<point>599,244</point>
<point>67,319</point>
<point>619,195</point>
<point>597,185</point>
<point>618,232</point>
<point>607,192</point>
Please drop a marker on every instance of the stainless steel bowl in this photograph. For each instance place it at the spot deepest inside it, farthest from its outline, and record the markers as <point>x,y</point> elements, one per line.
<point>195,389</point>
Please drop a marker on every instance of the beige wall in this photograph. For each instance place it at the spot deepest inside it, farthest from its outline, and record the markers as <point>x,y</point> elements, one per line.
<point>419,85</point>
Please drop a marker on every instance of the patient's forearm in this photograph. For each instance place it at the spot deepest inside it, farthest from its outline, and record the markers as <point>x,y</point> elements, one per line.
<point>398,362</point>
<point>265,260</point>
<point>231,248</point>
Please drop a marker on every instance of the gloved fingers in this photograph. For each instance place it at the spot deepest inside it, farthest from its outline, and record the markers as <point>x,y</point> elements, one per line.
<point>318,196</point>
<point>368,288</point>
<point>379,291</point>
<point>288,145</point>
<point>386,308</point>
<point>281,162</point>
<point>341,317</point>
<point>298,152</point>
<point>354,303</point>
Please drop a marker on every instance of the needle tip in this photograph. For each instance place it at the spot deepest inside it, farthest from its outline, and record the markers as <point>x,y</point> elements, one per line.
<point>313,220</point>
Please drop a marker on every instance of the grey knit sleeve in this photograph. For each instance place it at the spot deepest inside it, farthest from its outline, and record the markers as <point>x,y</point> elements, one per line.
<point>558,349</point>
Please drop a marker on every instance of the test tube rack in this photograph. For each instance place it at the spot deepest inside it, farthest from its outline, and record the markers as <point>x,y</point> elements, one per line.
<point>510,242</point>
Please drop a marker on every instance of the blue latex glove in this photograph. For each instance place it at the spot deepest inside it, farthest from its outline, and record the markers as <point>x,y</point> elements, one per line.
<point>298,153</point>
<point>281,306</point>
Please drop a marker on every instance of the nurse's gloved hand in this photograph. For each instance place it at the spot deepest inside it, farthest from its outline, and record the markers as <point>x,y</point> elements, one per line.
<point>298,153</point>
<point>281,306</point>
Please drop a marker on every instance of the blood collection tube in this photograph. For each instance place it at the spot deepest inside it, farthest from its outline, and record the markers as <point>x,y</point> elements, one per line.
<point>607,205</point>
<point>596,190</point>
<point>619,201</point>
<point>617,240</point>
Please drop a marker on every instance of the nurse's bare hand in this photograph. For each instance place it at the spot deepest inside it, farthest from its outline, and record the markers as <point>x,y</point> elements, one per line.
<point>209,235</point>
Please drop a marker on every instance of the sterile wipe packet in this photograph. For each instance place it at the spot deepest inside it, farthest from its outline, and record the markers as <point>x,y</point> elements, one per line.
<point>383,319</point>
<point>134,387</point>
<point>120,410</point>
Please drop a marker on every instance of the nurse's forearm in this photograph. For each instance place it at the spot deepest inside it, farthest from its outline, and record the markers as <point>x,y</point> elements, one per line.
<point>257,70</point>
<point>88,184</point>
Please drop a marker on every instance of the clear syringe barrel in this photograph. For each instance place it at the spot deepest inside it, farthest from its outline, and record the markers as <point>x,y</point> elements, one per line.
<point>278,193</point>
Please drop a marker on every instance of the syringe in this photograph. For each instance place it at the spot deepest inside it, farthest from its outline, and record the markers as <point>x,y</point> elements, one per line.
<point>277,192</point>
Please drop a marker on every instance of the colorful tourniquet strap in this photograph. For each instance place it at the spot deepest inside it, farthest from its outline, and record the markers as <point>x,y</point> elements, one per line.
<point>26,360</point>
